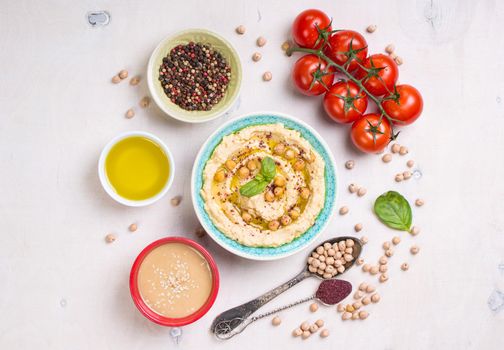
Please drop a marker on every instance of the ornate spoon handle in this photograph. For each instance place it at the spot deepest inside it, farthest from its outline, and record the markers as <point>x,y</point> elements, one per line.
<point>230,319</point>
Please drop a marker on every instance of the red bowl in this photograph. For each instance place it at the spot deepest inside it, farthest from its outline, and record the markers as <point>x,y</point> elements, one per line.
<point>152,315</point>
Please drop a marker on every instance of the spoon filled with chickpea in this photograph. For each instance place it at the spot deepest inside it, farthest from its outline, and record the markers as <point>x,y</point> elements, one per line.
<point>329,260</point>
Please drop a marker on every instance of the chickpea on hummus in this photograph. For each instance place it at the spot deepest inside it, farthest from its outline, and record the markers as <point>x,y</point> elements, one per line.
<point>264,185</point>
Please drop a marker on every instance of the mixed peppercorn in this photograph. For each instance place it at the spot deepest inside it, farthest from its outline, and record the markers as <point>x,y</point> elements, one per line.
<point>194,76</point>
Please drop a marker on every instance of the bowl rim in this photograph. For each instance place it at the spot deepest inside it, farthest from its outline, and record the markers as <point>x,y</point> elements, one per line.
<point>172,112</point>
<point>195,193</point>
<point>151,314</point>
<point>102,174</point>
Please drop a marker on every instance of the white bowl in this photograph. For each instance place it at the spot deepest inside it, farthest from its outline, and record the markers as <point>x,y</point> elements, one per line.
<point>108,187</point>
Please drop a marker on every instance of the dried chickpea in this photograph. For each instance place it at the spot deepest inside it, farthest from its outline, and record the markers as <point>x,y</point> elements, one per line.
<point>410,163</point>
<point>366,267</point>
<point>383,260</point>
<point>349,308</point>
<point>346,316</point>
<point>389,252</point>
<point>364,240</point>
<point>349,243</point>
<point>407,175</point>
<point>357,305</point>
<point>261,41</point>
<point>414,250</point>
<point>375,298</point>
<point>240,29</point>
<point>319,323</point>
<point>403,150</point>
<point>306,335</point>
<point>415,230</point>
<point>370,289</point>
<point>371,28</point>
<point>133,227</point>
<point>396,240</point>
<point>349,164</point>
<point>358,227</point>
<point>374,270</point>
<point>314,307</point>
<point>363,286</point>
<point>398,60</point>
<point>305,326</point>
<point>363,314</point>
<point>130,113</point>
<point>383,268</point>
<point>116,79</point>
<point>383,277</point>
<point>399,177</point>
<point>135,80</point>
<point>359,261</point>
<point>387,158</point>
<point>340,307</point>
<point>390,48</point>
<point>395,148</point>
<point>361,192</point>
<point>297,332</point>
<point>110,238</point>
<point>324,333</point>
<point>276,321</point>
<point>352,188</point>
<point>123,74</point>
<point>419,202</point>
<point>358,295</point>
<point>256,57</point>
<point>355,315</point>
<point>144,102</point>
<point>320,250</point>
<point>343,210</point>
<point>267,76</point>
<point>366,301</point>
<point>405,266</point>
<point>386,245</point>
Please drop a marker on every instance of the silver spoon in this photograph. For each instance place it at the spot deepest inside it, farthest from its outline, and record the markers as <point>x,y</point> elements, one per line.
<point>341,289</point>
<point>232,318</point>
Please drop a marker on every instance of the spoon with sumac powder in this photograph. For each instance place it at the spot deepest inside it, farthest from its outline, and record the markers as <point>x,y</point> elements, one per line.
<point>339,253</point>
<point>329,292</point>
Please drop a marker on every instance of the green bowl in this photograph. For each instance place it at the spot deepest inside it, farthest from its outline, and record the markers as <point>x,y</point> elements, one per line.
<point>184,37</point>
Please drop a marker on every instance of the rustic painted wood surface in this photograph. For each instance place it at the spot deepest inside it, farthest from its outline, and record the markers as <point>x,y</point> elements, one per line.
<point>62,287</point>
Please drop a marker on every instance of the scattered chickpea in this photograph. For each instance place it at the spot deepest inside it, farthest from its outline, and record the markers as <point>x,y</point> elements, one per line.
<point>297,332</point>
<point>243,172</point>
<point>383,278</point>
<point>386,245</point>
<point>375,298</point>
<point>366,301</point>
<point>349,308</point>
<point>361,191</point>
<point>366,267</point>
<point>403,150</point>
<point>135,80</point>
<point>357,305</point>
<point>276,321</point>
<point>313,307</point>
<point>363,286</point>
<point>273,225</point>
<point>383,260</point>
<point>346,316</point>
<point>133,227</point>
<point>414,250</point>
<point>349,164</point>
<point>352,188</point>
<point>358,227</point>
<point>313,328</point>
<point>395,148</point>
<point>175,201</point>
<point>261,41</point>
<point>256,57</point>
<point>364,239</point>
<point>343,210</point>
<point>324,333</point>
<point>144,102</point>
<point>410,163</point>
<point>407,175</point>
<point>110,238</point>
<point>358,294</point>
<point>269,196</point>
<point>390,48</point>
<point>415,230</point>
<point>340,307</point>
<point>267,76</point>
<point>123,74</point>
<point>419,202</point>
<point>299,165</point>
<point>305,193</point>
<point>371,28</point>
<point>355,315</point>
<point>399,60</point>
<point>130,113</point>
<point>387,158</point>
<point>399,177</point>
<point>246,217</point>
<point>396,240</point>
<point>383,268</point>
<point>359,261</point>
<point>374,270</point>
<point>240,29</point>
<point>116,79</point>
<point>370,289</point>
<point>405,266</point>
<point>389,252</point>
<point>305,326</point>
<point>306,335</point>
<point>393,55</point>
<point>363,314</point>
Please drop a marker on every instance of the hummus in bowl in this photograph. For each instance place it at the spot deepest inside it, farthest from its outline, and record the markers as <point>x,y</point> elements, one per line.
<point>264,185</point>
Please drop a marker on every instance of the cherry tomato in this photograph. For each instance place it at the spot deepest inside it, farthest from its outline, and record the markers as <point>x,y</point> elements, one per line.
<point>406,105</point>
<point>370,134</point>
<point>344,44</point>
<point>305,29</point>
<point>383,74</point>
<point>310,75</point>
<point>343,103</point>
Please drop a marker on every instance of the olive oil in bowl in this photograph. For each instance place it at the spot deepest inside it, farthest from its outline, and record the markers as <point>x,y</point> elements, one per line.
<point>136,168</point>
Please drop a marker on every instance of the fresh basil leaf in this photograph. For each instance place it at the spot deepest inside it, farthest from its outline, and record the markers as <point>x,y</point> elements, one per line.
<point>268,168</point>
<point>253,187</point>
<point>393,210</point>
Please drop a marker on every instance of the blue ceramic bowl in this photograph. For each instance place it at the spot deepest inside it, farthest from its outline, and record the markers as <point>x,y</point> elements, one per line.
<point>264,253</point>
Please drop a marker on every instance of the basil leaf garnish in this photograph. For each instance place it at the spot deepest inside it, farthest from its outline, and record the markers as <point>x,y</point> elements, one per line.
<point>393,210</point>
<point>259,183</point>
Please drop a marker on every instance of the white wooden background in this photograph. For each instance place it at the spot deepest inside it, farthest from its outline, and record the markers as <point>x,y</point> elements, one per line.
<point>62,287</point>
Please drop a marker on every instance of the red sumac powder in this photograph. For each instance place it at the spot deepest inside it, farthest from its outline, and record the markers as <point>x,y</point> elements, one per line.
<point>333,291</point>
